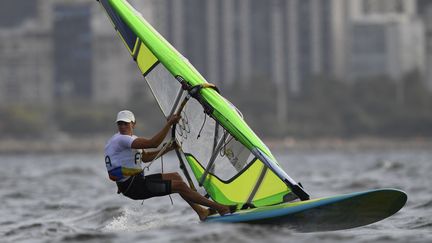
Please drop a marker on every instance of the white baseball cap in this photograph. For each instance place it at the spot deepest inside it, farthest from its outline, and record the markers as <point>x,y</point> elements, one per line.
<point>126,116</point>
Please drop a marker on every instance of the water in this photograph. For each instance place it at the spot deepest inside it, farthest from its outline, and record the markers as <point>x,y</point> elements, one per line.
<point>68,198</point>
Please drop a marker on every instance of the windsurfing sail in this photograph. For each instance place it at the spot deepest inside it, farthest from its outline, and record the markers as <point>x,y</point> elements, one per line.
<point>226,157</point>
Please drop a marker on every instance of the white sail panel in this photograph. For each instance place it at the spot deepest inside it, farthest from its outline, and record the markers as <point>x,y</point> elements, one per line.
<point>164,87</point>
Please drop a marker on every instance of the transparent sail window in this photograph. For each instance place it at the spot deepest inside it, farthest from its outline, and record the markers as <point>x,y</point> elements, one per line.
<point>164,86</point>
<point>200,135</point>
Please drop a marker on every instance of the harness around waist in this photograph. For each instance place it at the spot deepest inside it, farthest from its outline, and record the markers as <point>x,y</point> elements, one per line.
<point>120,173</point>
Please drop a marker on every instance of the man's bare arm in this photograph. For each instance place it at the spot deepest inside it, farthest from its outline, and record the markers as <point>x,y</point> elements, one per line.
<point>156,140</point>
<point>150,156</point>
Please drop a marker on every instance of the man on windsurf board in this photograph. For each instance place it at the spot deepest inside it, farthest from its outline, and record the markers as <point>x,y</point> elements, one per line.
<point>124,153</point>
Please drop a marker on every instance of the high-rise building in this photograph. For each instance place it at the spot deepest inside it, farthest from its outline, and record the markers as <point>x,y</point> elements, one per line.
<point>238,40</point>
<point>315,40</point>
<point>72,40</point>
<point>25,53</point>
<point>386,46</point>
<point>425,12</point>
<point>361,8</point>
<point>242,41</point>
<point>387,39</point>
<point>67,49</point>
<point>116,79</point>
<point>59,49</point>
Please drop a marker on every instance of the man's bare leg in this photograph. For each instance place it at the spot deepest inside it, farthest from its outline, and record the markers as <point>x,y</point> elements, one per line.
<point>203,213</point>
<point>193,198</point>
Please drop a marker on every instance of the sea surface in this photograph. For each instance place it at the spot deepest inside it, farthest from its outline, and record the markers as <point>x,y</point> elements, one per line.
<point>68,198</point>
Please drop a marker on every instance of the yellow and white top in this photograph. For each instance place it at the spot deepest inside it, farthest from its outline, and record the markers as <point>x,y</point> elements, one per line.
<point>121,160</point>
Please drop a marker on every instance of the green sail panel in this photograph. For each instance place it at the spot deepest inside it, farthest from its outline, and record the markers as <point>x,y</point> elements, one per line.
<point>217,146</point>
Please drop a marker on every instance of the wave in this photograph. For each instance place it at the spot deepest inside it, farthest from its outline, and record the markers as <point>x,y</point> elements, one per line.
<point>97,217</point>
<point>427,204</point>
<point>133,219</point>
<point>387,165</point>
<point>420,223</point>
<point>88,237</point>
<point>73,170</point>
<point>32,230</point>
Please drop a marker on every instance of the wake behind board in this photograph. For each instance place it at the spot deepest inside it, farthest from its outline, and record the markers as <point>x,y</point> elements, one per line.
<point>324,214</point>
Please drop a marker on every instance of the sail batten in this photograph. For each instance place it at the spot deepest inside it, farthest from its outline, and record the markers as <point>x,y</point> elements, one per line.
<point>218,145</point>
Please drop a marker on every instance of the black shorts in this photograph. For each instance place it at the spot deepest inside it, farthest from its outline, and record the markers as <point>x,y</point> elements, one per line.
<point>140,187</point>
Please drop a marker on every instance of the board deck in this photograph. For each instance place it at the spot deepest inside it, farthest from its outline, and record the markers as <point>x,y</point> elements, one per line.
<point>324,214</point>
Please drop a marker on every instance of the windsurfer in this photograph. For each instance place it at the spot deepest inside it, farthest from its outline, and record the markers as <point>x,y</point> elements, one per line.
<point>123,155</point>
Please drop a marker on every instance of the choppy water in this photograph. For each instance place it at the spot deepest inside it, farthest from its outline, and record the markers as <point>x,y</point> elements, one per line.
<point>69,199</point>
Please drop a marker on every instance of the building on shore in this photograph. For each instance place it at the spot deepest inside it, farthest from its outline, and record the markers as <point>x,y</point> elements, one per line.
<point>53,50</point>
<point>385,46</point>
<point>25,53</point>
<point>245,41</point>
<point>116,79</point>
<point>424,10</point>
<point>72,38</point>
<point>238,41</point>
<point>59,49</point>
<point>387,39</point>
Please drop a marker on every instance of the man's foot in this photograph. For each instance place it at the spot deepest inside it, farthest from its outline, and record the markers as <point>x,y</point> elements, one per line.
<point>206,212</point>
<point>212,211</point>
<point>227,209</point>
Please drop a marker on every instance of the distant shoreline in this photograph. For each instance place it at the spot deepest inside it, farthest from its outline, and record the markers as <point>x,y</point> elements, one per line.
<point>95,144</point>
<point>57,145</point>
